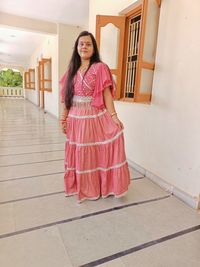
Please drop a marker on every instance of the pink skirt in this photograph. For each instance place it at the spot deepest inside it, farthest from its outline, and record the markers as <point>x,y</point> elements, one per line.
<point>95,161</point>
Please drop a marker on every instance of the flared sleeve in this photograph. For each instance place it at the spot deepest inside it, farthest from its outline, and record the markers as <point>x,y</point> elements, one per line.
<point>103,80</point>
<point>62,87</point>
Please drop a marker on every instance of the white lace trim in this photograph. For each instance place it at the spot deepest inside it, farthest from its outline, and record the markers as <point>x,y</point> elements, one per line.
<point>99,196</point>
<point>96,143</point>
<point>97,169</point>
<point>116,196</point>
<point>80,98</point>
<point>87,116</point>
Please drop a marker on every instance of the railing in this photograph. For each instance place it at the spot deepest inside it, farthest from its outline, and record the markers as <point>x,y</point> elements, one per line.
<point>11,91</point>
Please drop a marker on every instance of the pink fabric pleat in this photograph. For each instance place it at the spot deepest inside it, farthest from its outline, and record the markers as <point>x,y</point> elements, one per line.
<point>95,161</point>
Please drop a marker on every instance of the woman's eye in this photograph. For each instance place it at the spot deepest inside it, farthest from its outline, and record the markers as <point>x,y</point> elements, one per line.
<point>87,44</point>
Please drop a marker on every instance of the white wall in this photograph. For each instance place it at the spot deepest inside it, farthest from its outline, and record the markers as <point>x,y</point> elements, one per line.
<point>59,49</point>
<point>48,49</point>
<point>29,24</point>
<point>66,38</point>
<point>31,95</point>
<point>163,137</point>
<point>104,7</point>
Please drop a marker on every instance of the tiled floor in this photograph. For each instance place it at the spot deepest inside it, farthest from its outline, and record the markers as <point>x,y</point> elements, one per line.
<point>40,227</point>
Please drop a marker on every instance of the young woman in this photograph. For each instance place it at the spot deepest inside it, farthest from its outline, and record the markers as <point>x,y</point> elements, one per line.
<point>95,161</point>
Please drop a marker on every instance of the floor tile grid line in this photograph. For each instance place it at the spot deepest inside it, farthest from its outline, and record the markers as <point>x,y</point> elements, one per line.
<point>116,208</point>
<point>27,128</point>
<point>44,195</point>
<point>37,119</point>
<point>41,122</point>
<point>31,126</point>
<point>44,128</point>
<point>33,176</point>
<point>28,177</point>
<point>33,197</point>
<point>141,246</point>
<point>33,162</point>
<point>2,155</point>
<point>38,137</point>
<point>25,122</point>
<point>28,132</point>
<point>138,178</point>
<point>34,144</point>
<point>39,175</point>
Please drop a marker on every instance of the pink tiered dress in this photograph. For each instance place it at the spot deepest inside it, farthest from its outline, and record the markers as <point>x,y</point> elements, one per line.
<point>95,161</point>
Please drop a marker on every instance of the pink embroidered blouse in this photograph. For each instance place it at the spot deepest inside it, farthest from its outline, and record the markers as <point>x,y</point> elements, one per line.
<point>96,79</point>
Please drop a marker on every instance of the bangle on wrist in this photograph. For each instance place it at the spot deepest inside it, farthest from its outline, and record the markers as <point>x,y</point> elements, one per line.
<point>112,114</point>
<point>63,122</point>
<point>63,117</point>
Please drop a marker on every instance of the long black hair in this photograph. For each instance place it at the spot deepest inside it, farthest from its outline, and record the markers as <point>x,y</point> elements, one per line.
<point>75,64</point>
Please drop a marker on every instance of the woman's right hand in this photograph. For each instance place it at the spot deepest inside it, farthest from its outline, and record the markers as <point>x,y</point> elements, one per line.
<point>63,126</point>
<point>63,119</point>
<point>118,122</point>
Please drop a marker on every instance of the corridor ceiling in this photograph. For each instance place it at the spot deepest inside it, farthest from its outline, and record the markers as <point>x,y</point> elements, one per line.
<point>16,45</point>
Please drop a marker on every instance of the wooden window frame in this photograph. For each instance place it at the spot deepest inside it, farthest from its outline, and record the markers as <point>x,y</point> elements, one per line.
<point>40,84</point>
<point>28,82</point>
<point>139,8</point>
<point>118,22</point>
<point>135,12</point>
<point>43,80</point>
<point>31,81</point>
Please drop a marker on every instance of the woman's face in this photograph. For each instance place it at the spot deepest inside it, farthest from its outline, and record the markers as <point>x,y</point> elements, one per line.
<point>85,47</point>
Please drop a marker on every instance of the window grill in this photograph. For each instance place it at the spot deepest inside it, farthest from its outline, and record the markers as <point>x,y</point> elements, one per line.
<point>132,56</point>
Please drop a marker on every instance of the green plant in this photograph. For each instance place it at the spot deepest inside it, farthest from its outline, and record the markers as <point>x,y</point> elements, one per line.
<point>10,78</point>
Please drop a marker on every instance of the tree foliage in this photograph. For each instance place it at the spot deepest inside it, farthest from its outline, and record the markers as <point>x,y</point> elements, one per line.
<point>10,78</point>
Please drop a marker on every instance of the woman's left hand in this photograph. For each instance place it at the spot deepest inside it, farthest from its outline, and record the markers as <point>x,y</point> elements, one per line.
<point>118,122</point>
